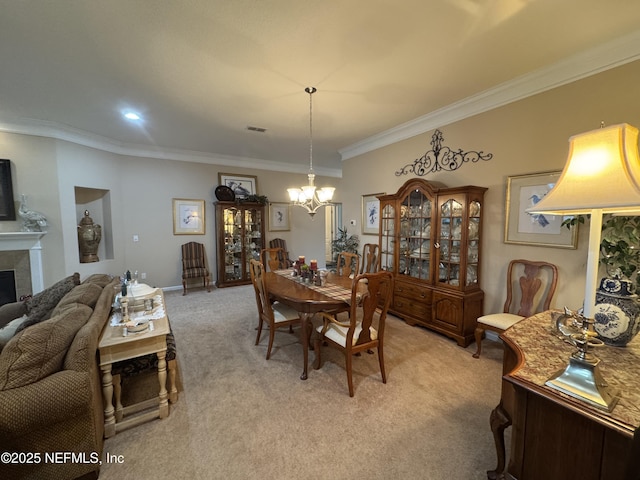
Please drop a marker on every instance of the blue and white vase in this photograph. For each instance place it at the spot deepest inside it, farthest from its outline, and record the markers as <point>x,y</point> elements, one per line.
<point>617,312</point>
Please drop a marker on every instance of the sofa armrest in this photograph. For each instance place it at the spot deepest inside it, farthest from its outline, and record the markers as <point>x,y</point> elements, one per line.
<point>11,311</point>
<point>51,400</point>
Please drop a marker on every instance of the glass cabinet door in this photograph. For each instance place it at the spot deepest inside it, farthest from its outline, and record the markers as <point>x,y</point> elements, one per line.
<point>233,244</point>
<point>414,248</point>
<point>450,241</point>
<point>387,237</point>
<point>473,243</point>
<point>252,238</point>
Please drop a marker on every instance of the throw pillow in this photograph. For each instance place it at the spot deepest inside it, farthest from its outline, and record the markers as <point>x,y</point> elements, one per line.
<point>11,311</point>
<point>39,306</point>
<point>39,351</point>
<point>86,294</point>
<point>9,330</point>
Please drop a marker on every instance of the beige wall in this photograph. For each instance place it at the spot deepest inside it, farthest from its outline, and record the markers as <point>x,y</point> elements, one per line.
<point>524,137</point>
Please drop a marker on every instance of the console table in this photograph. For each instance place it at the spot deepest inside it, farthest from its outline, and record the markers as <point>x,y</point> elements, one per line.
<point>556,436</point>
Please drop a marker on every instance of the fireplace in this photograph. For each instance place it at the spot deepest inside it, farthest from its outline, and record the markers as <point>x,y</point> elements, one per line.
<point>7,286</point>
<point>21,253</point>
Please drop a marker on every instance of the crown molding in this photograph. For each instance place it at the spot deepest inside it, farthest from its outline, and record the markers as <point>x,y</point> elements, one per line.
<point>48,129</point>
<point>609,55</point>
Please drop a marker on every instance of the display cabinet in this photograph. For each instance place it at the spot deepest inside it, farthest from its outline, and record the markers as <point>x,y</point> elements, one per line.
<point>240,230</point>
<point>430,239</point>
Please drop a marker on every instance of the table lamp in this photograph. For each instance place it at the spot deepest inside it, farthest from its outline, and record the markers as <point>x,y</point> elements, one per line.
<point>602,175</point>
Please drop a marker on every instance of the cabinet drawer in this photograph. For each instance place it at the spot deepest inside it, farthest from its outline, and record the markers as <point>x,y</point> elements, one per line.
<point>411,307</point>
<point>418,293</point>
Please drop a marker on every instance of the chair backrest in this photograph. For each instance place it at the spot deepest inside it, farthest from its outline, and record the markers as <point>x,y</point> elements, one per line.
<point>348,264</point>
<point>530,286</point>
<point>256,269</point>
<point>273,258</point>
<point>370,258</point>
<point>379,290</point>
<point>193,255</point>
<point>280,243</point>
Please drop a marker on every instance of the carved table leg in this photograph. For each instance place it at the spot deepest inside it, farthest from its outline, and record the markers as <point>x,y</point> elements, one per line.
<point>499,421</point>
<point>117,391</point>
<point>107,397</point>
<point>162,379</point>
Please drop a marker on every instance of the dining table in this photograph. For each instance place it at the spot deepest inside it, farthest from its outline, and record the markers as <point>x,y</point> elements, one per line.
<point>308,299</point>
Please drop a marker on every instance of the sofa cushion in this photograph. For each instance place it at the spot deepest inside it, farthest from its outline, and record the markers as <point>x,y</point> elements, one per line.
<point>9,330</point>
<point>39,306</point>
<point>39,351</point>
<point>100,279</point>
<point>86,294</point>
<point>11,311</point>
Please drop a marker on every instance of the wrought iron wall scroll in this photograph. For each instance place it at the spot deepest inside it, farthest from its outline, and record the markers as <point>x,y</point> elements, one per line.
<point>441,158</point>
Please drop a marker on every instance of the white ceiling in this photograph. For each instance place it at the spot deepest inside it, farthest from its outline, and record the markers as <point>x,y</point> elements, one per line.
<point>201,71</point>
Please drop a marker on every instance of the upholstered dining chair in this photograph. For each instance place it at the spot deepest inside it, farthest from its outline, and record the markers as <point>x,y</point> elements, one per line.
<point>370,258</point>
<point>280,243</point>
<point>364,327</point>
<point>273,258</point>
<point>348,264</point>
<point>276,314</point>
<point>530,289</point>
<point>194,265</point>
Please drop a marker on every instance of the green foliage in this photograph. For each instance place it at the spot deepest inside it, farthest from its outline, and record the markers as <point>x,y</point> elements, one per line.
<point>344,242</point>
<point>619,244</point>
<point>261,199</point>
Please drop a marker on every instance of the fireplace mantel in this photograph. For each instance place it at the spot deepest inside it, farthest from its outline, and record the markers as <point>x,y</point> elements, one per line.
<point>27,241</point>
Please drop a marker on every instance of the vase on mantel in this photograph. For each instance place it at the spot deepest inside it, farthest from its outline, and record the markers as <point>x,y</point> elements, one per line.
<point>89,236</point>
<point>617,311</point>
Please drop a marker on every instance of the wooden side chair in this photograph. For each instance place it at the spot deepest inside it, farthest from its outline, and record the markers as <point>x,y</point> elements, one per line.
<point>530,288</point>
<point>364,327</point>
<point>348,264</point>
<point>276,315</point>
<point>280,243</point>
<point>194,265</point>
<point>370,258</point>
<point>273,258</point>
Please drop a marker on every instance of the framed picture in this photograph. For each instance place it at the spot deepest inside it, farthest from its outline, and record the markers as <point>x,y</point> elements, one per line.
<point>242,185</point>
<point>7,207</point>
<point>279,217</point>
<point>188,216</point>
<point>370,213</point>
<point>524,191</point>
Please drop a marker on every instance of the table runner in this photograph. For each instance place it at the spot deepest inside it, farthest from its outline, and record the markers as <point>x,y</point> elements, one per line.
<point>329,289</point>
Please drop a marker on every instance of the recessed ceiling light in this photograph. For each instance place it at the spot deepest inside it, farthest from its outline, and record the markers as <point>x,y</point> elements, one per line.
<point>132,116</point>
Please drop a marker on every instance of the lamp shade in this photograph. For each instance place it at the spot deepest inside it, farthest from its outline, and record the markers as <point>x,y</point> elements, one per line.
<point>602,172</point>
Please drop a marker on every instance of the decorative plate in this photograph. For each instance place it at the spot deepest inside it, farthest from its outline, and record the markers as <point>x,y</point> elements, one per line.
<point>224,193</point>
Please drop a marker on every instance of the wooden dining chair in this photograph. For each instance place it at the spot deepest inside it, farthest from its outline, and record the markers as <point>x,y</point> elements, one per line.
<point>530,288</point>
<point>276,314</point>
<point>363,328</point>
<point>273,258</point>
<point>280,243</point>
<point>348,264</point>
<point>370,258</point>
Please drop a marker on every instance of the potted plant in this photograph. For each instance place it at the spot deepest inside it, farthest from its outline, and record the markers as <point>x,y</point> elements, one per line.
<point>344,243</point>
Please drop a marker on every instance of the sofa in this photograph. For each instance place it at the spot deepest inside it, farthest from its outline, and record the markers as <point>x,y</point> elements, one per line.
<point>51,410</point>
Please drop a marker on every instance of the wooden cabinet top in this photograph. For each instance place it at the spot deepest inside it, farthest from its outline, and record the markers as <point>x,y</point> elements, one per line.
<point>541,354</point>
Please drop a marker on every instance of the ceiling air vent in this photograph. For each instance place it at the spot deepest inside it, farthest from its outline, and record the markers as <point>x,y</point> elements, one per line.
<point>256,129</point>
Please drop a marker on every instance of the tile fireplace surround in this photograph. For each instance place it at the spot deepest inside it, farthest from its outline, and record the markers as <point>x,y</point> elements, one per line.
<point>24,241</point>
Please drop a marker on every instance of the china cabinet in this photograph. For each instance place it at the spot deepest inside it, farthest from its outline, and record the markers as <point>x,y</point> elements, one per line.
<point>240,230</point>
<point>430,240</point>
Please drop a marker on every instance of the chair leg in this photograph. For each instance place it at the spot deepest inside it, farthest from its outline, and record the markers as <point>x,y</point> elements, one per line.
<point>272,334</point>
<point>349,362</point>
<point>184,287</point>
<point>478,333</point>
<point>317,341</point>
<point>259,330</point>
<point>208,284</point>
<point>381,361</point>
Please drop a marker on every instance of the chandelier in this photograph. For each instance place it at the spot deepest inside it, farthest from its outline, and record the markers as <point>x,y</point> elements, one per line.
<point>307,196</point>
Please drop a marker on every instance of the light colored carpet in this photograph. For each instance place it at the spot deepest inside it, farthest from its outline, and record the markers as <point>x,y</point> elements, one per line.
<point>243,417</point>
